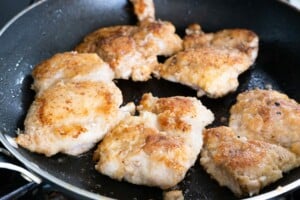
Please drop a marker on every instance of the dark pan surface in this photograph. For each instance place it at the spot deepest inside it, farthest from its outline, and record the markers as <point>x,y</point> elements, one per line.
<point>58,25</point>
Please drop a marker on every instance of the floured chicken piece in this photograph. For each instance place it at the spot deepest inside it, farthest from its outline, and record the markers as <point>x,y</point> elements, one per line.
<point>243,40</point>
<point>132,51</point>
<point>157,147</point>
<point>210,71</point>
<point>269,116</point>
<point>211,63</point>
<point>71,117</point>
<point>70,66</point>
<point>244,166</point>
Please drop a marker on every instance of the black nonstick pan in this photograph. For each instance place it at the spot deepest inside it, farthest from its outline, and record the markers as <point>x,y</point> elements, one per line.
<point>53,26</point>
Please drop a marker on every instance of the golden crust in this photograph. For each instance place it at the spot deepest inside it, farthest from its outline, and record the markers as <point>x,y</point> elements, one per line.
<point>269,116</point>
<point>71,117</point>
<point>245,166</point>
<point>144,150</point>
<point>232,151</point>
<point>211,63</point>
<point>157,38</point>
<point>68,66</point>
<point>71,63</point>
<point>131,51</point>
<point>243,40</point>
<point>134,135</point>
<point>110,43</point>
<point>67,101</point>
<point>179,106</point>
<point>170,111</point>
<point>212,70</point>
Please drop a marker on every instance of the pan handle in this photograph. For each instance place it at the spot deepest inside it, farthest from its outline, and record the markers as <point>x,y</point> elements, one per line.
<point>34,180</point>
<point>24,173</point>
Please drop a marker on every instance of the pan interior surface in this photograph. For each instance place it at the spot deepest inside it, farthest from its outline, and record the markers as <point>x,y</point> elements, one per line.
<point>57,26</point>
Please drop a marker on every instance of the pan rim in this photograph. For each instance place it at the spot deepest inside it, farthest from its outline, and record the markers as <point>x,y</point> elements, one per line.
<point>36,170</point>
<point>31,166</point>
<point>4,138</point>
<point>20,14</point>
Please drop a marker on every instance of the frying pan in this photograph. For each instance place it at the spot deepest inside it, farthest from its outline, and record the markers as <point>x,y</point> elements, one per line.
<point>49,27</point>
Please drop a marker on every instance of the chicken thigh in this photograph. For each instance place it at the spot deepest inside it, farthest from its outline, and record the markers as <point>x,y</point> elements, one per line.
<point>71,117</point>
<point>132,51</point>
<point>211,63</point>
<point>244,165</point>
<point>70,66</point>
<point>269,116</point>
<point>157,147</point>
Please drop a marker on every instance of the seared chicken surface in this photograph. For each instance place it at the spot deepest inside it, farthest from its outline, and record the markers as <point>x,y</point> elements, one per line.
<point>71,117</point>
<point>132,51</point>
<point>210,71</point>
<point>243,165</point>
<point>70,66</point>
<point>157,147</point>
<point>242,40</point>
<point>211,63</point>
<point>269,116</point>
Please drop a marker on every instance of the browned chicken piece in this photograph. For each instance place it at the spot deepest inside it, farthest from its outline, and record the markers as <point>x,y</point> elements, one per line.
<point>243,40</point>
<point>208,70</point>
<point>132,51</point>
<point>243,165</point>
<point>70,66</point>
<point>71,117</point>
<point>157,147</point>
<point>269,116</point>
<point>211,63</point>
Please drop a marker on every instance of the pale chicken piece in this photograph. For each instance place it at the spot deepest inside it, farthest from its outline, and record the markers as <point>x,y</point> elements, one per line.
<point>71,117</point>
<point>132,51</point>
<point>211,71</point>
<point>70,66</point>
<point>244,166</point>
<point>157,147</point>
<point>269,116</point>
<point>243,40</point>
<point>211,63</point>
